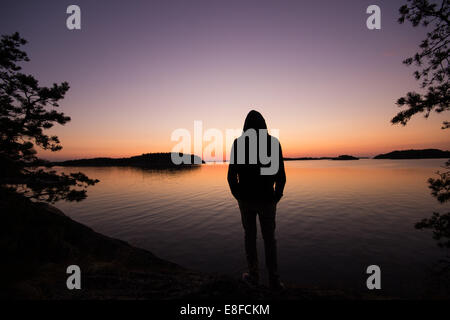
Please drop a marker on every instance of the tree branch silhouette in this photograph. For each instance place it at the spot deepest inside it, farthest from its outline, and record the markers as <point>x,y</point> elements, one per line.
<point>433,71</point>
<point>432,61</point>
<point>25,114</point>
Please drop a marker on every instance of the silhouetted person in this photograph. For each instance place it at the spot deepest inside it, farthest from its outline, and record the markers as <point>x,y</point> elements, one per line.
<point>257,192</point>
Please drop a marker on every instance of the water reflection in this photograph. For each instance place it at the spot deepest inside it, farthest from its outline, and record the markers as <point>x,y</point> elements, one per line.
<point>335,219</point>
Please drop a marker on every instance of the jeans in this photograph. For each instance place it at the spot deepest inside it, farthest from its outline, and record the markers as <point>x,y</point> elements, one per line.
<point>266,211</point>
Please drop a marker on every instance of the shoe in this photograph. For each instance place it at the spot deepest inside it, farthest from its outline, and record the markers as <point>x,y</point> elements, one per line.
<point>277,285</point>
<point>250,280</point>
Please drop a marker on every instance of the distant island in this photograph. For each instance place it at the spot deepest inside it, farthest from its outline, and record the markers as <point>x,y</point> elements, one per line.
<point>341,157</point>
<point>146,160</point>
<point>164,160</point>
<point>415,154</point>
<point>345,157</point>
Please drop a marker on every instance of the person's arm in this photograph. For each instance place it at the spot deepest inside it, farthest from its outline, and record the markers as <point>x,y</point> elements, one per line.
<point>232,178</point>
<point>280,178</point>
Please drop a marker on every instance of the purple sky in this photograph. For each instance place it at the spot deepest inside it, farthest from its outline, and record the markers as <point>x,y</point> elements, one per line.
<point>140,69</point>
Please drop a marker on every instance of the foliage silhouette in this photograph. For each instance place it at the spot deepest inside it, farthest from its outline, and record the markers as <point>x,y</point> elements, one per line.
<point>432,60</point>
<point>439,223</point>
<point>25,114</point>
<point>440,188</point>
<point>433,72</point>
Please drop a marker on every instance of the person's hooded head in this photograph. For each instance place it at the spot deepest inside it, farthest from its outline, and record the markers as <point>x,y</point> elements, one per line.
<point>254,120</point>
<point>252,153</point>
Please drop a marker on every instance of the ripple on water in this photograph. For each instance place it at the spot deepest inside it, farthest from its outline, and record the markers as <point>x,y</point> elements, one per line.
<point>334,219</point>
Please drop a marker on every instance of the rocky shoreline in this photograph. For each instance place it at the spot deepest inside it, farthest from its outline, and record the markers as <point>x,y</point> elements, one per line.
<point>39,242</point>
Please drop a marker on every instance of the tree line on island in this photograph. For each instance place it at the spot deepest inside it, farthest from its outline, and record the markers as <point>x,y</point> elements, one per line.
<point>160,160</point>
<point>163,160</point>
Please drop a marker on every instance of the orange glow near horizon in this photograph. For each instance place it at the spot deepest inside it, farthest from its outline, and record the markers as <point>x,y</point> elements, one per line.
<point>357,139</point>
<point>330,88</point>
<point>338,123</point>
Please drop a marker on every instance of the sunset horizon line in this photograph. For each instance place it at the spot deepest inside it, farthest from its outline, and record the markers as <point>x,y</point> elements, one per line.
<point>369,155</point>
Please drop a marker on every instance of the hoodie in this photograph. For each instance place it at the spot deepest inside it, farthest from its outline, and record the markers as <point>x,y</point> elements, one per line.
<point>245,179</point>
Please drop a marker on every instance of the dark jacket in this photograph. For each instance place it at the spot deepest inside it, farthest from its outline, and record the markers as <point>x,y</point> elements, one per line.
<point>245,180</point>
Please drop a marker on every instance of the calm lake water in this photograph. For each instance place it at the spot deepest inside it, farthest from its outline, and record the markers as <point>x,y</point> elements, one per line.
<point>336,218</point>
